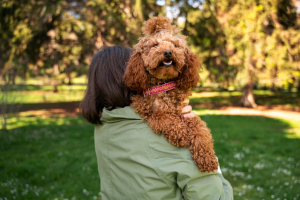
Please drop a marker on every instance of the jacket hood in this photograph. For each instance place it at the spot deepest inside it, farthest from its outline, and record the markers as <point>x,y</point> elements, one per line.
<point>119,114</point>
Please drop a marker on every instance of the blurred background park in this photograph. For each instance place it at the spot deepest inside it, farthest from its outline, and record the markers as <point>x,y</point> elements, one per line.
<point>249,95</point>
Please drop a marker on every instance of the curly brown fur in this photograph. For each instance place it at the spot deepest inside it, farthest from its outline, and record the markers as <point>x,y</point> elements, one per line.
<point>157,24</point>
<point>152,64</point>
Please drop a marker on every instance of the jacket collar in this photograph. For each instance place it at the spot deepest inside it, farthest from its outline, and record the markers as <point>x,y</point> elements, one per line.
<point>119,114</point>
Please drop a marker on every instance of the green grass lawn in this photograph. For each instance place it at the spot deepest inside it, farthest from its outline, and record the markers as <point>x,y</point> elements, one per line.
<point>48,159</point>
<point>55,159</point>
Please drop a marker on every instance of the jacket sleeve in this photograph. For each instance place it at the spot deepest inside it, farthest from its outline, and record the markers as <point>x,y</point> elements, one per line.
<point>194,184</point>
<point>204,186</point>
<point>227,188</point>
<point>176,166</point>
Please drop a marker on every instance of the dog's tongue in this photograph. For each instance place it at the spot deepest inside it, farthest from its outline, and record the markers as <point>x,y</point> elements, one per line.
<point>168,63</point>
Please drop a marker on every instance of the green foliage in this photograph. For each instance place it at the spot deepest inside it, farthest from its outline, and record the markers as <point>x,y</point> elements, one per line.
<point>57,39</point>
<point>258,40</point>
<point>259,37</point>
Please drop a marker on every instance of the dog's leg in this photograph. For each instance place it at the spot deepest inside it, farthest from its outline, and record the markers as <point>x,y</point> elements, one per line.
<point>155,111</point>
<point>201,145</point>
<point>171,126</point>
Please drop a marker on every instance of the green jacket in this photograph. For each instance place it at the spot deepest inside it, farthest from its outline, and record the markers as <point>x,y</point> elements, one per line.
<point>135,163</point>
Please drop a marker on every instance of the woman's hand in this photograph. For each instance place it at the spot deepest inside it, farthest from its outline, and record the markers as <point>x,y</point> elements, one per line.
<point>186,111</point>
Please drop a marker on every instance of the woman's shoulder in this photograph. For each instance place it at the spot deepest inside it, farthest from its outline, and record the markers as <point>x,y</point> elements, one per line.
<point>123,124</point>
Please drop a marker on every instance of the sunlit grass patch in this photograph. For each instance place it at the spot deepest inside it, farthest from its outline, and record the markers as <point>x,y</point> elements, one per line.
<point>230,93</point>
<point>21,122</point>
<point>206,112</point>
<point>294,131</point>
<point>28,94</point>
<point>36,88</point>
<point>41,80</point>
<point>264,92</point>
<point>216,94</point>
<point>293,134</point>
<point>29,97</point>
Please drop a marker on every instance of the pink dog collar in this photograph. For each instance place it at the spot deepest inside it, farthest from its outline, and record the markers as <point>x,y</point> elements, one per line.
<point>160,88</point>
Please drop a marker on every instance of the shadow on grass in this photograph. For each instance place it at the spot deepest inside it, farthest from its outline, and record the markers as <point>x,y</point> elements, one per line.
<point>70,106</point>
<point>21,87</point>
<point>215,102</point>
<point>233,98</point>
<point>48,159</point>
<point>54,158</point>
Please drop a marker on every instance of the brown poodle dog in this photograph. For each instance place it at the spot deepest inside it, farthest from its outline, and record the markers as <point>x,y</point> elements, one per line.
<point>160,57</point>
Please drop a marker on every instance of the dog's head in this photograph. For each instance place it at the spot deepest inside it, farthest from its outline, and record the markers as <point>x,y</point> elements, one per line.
<point>161,56</point>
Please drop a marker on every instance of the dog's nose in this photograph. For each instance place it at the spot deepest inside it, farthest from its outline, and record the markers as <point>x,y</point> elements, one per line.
<point>168,53</point>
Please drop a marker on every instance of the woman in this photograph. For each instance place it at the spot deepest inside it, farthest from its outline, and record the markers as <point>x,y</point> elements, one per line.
<point>133,161</point>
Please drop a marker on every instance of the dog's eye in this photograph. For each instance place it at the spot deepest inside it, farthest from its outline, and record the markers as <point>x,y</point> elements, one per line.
<point>175,45</point>
<point>155,45</point>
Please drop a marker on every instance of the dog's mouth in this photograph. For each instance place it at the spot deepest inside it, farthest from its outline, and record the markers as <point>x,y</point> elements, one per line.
<point>166,69</point>
<point>166,63</point>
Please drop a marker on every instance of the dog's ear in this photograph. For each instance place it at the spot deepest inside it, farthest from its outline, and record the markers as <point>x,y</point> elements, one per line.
<point>189,77</point>
<point>135,76</point>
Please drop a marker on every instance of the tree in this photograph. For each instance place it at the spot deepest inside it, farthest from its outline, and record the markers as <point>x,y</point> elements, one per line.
<point>258,37</point>
<point>208,39</point>
<point>57,39</point>
<point>257,40</point>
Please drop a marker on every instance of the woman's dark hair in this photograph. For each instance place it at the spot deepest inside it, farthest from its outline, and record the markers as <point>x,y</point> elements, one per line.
<point>106,88</point>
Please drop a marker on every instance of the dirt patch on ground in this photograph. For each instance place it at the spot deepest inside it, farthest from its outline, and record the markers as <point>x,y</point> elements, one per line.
<point>65,109</point>
<point>50,113</point>
<point>71,109</point>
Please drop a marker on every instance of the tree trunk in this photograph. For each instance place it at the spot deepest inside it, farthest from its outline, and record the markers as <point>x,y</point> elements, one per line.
<point>3,113</point>
<point>4,124</point>
<point>298,87</point>
<point>69,79</point>
<point>55,89</point>
<point>274,76</point>
<point>3,105</point>
<point>248,97</point>
<point>12,76</point>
